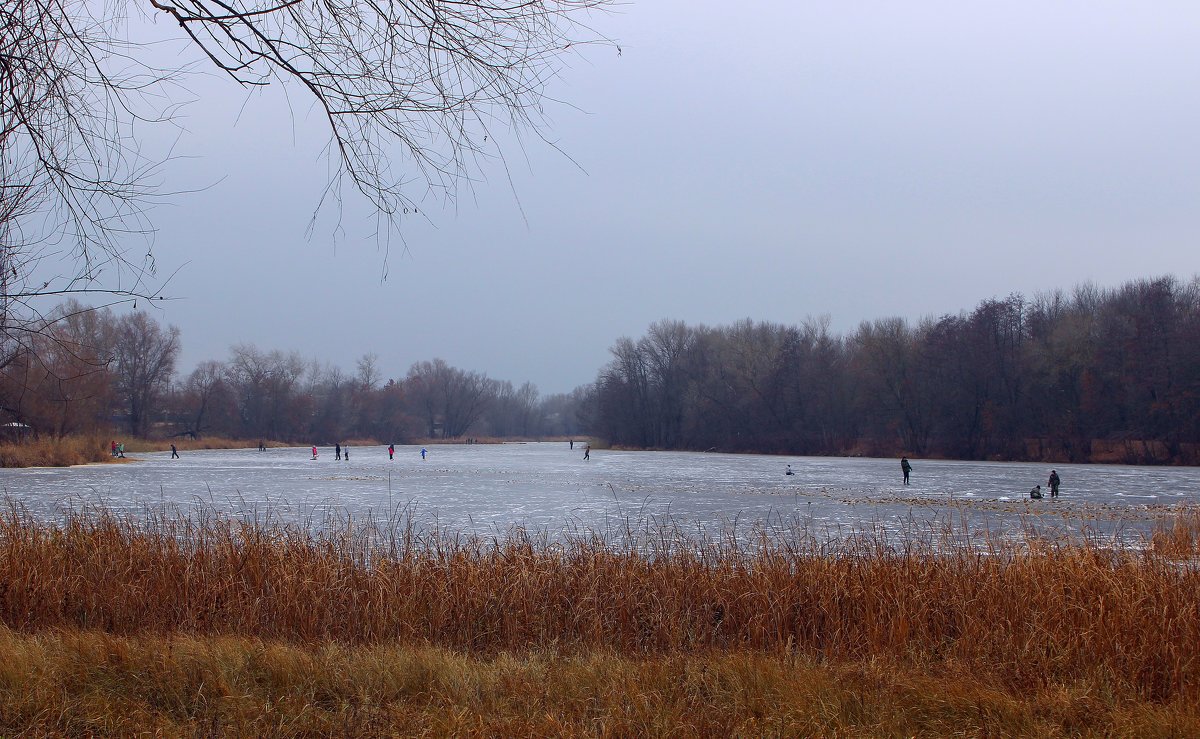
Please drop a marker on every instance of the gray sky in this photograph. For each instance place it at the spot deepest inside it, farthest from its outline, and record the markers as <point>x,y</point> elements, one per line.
<point>770,160</point>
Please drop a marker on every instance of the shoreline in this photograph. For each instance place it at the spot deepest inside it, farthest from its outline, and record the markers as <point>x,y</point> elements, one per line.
<point>80,450</point>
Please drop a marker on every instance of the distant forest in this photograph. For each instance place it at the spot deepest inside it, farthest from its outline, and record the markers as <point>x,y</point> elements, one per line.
<point>91,371</point>
<point>1091,374</point>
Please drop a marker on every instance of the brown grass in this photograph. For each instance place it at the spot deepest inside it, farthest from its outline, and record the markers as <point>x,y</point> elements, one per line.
<point>1178,536</point>
<point>51,452</point>
<point>1025,615</point>
<point>84,683</point>
<point>220,442</point>
<point>186,444</point>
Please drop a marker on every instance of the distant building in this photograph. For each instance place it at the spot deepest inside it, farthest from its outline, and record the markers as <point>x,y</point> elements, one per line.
<point>15,431</point>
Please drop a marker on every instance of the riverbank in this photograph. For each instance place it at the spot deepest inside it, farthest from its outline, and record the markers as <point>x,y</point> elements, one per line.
<point>175,624</point>
<point>205,442</point>
<point>51,452</point>
<point>73,450</point>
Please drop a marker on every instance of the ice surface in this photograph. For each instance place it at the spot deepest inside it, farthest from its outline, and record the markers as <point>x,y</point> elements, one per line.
<point>488,488</point>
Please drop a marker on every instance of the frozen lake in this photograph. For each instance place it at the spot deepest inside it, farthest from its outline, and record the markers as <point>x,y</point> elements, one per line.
<point>489,488</point>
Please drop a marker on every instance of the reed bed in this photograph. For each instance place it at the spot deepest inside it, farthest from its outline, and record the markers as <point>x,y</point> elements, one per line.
<point>54,452</point>
<point>1027,614</point>
<point>185,444</point>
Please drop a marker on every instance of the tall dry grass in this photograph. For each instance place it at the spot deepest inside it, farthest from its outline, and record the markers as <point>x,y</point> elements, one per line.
<point>185,444</point>
<point>88,683</point>
<point>1026,614</point>
<point>54,452</point>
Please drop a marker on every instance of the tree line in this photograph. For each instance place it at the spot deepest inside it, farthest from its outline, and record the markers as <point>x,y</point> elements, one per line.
<point>88,370</point>
<point>1082,375</point>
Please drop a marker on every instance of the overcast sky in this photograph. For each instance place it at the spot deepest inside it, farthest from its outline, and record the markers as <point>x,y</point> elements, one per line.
<point>771,160</point>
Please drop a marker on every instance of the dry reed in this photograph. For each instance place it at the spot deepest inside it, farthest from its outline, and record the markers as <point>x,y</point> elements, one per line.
<point>135,445</point>
<point>54,452</point>
<point>1027,614</point>
<point>91,683</point>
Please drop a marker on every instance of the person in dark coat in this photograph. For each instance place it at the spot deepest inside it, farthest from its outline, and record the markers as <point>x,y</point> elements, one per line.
<point>906,468</point>
<point>1054,483</point>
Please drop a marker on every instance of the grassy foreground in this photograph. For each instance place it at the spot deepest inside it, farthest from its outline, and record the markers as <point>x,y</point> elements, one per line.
<point>208,624</point>
<point>88,682</point>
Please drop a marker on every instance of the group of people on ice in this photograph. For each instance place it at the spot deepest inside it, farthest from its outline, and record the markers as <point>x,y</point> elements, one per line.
<point>1053,483</point>
<point>343,452</point>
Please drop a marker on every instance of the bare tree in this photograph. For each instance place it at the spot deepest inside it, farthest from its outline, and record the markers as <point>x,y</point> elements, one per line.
<point>368,372</point>
<point>62,385</point>
<point>514,411</point>
<point>265,384</point>
<point>332,393</point>
<point>145,356</point>
<point>449,399</point>
<point>205,382</point>
<point>73,182</point>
